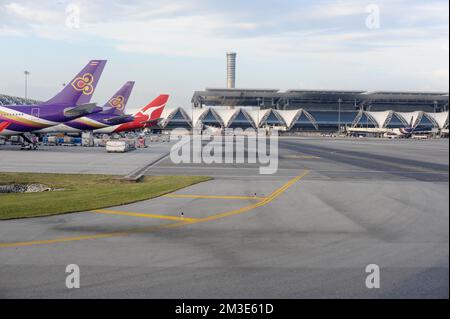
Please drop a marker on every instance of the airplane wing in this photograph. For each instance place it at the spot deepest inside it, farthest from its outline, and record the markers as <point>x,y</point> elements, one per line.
<point>4,125</point>
<point>81,110</point>
<point>120,119</point>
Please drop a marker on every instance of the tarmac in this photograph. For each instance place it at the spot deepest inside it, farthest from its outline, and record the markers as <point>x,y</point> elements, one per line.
<point>78,160</point>
<point>333,207</point>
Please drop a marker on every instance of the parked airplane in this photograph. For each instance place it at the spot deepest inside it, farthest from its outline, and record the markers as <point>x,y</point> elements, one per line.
<point>71,103</point>
<point>147,117</point>
<point>404,132</point>
<point>113,114</point>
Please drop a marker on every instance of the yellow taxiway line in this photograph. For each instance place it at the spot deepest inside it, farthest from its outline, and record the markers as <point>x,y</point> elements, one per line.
<point>181,221</point>
<point>155,216</point>
<point>61,240</point>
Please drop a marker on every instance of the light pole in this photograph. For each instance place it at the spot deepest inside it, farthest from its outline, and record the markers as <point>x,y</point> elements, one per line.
<point>192,120</point>
<point>26,73</point>
<point>435,106</point>
<point>257,124</point>
<point>339,116</point>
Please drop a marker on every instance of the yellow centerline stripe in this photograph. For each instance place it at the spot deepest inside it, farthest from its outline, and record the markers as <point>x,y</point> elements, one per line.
<point>155,216</point>
<point>264,202</point>
<point>184,221</point>
<point>61,240</point>
<point>214,197</point>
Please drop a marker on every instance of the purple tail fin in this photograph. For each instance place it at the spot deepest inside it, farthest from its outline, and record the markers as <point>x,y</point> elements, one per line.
<point>81,88</point>
<point>119,100</point>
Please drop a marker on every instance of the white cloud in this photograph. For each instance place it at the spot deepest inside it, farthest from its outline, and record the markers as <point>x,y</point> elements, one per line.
<point>334,9</point>
<point>10,32</point>
<point>331,35</point>
<point>33,15</point>
<point>180,28</point>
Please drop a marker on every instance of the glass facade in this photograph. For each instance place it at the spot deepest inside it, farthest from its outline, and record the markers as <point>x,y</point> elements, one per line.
<point>240,121</point>
<point>326,121</point>
<point>329,120</point>
<point>395,122</point>
<point>178,121</point>
<point>425,124</point>
<point>365,122</point>
<point>303,123</point>
<point>211,120</point>
<point>273,120</point>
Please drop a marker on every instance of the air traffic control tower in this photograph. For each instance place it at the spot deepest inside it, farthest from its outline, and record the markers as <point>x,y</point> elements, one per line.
<point>231,70</point>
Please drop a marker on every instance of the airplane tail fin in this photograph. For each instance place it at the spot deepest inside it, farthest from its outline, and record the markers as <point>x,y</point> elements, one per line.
<point>4,126</point>
<point>155,108</point>
<point>80,89</point>
<point>118,101</point>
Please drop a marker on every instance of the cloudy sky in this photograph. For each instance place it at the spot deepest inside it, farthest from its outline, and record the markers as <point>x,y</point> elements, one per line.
<point>177,47</point>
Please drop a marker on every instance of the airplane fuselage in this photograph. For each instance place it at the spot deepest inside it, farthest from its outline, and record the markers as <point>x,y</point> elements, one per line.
<point>18,119</point>
<point>86,123</point>
<point>140,122</point>
<point>70,103</point>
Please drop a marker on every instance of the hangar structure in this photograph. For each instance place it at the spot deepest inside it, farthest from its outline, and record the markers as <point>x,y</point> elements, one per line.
<point>299,119</point>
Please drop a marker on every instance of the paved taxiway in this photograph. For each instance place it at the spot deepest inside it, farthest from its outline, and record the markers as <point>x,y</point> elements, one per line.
<point>333,207</point>
<point>78,160</point>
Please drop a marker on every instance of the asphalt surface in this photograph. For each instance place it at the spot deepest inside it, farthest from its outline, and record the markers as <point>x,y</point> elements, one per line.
<point>309,231</point>
<point>78,160</point>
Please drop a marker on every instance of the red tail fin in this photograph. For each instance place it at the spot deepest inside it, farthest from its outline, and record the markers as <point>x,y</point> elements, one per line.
<point>155,108</point>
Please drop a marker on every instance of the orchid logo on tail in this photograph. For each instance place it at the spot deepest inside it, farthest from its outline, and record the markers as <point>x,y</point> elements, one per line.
<point>84,84</point>
<point>117,102</point>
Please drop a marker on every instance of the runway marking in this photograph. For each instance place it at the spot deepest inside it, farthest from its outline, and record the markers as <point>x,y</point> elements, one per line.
<point>275,194</point>
<point>155,216</point>
<point>214,197</point>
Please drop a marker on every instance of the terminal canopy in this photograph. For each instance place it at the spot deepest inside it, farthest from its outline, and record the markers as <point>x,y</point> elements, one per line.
<point>380,118</point>
<point>299,118</point>
<point>272,118</point>
<point>289,116</point>
<point>225,116</point>
<point>440,119</point>
<point>257,116</point>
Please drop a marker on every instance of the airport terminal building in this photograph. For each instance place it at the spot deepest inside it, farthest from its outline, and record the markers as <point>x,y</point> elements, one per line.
<point>300,110</point>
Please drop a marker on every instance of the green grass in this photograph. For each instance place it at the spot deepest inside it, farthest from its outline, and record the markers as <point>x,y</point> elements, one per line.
<point>83,192</point>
